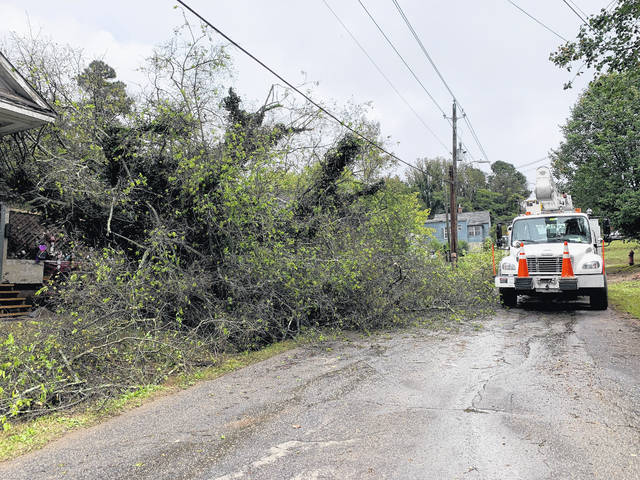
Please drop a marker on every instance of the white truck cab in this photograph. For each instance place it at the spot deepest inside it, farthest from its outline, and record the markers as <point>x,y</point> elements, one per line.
<point>550,225</point>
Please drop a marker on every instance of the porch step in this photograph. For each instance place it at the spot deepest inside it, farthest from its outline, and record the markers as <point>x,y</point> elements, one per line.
<point>11,303</point>
<point>11,300</point>
<point>12,314</point>
<point>8,294</point>
<point>11,307</point>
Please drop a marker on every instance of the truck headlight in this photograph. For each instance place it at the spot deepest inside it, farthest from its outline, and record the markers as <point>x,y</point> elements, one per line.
<point>595,265</point>
<point>507,267</point>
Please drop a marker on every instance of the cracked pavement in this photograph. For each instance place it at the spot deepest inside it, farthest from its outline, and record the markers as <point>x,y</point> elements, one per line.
<point>544,391</point>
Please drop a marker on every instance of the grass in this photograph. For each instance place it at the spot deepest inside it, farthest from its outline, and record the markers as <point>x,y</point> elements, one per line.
<point>30,435</point>
<point>624,296</point>
<point>617,253</point>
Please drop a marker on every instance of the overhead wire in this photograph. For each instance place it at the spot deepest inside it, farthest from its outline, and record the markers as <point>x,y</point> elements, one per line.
<point>293,87</point>
<point>578,7</point>
<point>538,21</point>
<point>384,75</point>
<point>424,50</point>
<point>575,11</point>
<point>609,5</point>
<point>528,169</point>
<point>579,71</point>
<point>397,52</point>
<point>467,150</point>
<point>531,165</point>
<point>437,70</point>
<point>474,135</point>
<point>402,58</point>
<point>534,162</point>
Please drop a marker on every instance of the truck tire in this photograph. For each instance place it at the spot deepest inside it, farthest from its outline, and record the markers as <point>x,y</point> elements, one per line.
<point>599,299</point>
<point>508,297</point>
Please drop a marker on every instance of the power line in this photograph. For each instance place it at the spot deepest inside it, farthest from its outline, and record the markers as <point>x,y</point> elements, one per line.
<point>578,8</point>
<point>290,85</point>
<point>402,58</point>
<point>534,162</point>
<point>385,76</point>
<point>433,64</point>
<point>465,147</point>
<point>538,22</point>
<point>529,165</point>
<point>575,11</point>
<point>386,37</point>
<point>528,169</point>
<point>404,61</point>
<point>474,134</point>
<point>424,50</point>
<point>579,71</point>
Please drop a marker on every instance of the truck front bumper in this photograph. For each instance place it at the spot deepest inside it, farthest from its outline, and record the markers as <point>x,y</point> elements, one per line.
<point>549,283</point>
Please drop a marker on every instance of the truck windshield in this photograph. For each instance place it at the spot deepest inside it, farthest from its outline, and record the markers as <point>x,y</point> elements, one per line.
<point>551,230</point>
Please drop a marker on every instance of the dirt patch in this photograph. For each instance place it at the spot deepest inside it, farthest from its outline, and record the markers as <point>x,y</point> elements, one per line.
<point>624,275</point>
<point>242,423</point>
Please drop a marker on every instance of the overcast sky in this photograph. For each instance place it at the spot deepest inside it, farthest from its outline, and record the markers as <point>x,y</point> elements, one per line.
<point>494,58</point>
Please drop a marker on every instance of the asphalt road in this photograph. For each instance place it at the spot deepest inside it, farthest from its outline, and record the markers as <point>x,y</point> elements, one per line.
<point>540,392</point>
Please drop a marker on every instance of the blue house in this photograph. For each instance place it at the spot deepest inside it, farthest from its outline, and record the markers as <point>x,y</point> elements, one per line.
<point>473,227</point>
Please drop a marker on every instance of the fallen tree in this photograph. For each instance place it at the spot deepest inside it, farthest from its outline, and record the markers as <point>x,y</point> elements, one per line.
<point>204,227</point>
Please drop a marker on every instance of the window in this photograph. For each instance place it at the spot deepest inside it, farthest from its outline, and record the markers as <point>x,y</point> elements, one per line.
<point>475,230</point>
<point>552,229</point>
<point>444,233</point>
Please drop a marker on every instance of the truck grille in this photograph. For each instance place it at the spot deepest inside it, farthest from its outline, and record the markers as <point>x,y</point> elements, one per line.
<point>544,264</point>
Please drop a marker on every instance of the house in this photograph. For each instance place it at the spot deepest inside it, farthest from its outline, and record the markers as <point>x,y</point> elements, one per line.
<point>473,227</point>
<point>21,108</point>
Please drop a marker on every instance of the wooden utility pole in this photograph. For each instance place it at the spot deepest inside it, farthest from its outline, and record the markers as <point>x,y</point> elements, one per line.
<point>446,220</point>
<point>452,191</point>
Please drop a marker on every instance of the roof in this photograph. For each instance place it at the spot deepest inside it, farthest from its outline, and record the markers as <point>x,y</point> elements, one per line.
<point>472,218</point>
<point>21,106</point>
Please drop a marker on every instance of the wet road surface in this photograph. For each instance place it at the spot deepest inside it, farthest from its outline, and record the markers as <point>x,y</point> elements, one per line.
<point>539,392</point>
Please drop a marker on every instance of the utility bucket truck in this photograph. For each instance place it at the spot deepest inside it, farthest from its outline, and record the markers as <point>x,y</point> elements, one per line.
<point>553,249</point>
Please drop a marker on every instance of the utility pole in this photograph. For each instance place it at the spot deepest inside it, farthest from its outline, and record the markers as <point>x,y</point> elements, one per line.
<point>452,192</point>
<point>446,219</point>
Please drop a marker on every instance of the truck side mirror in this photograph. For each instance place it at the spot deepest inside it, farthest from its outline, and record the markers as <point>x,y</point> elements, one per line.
<point>606,228</point>
<point>499,234</point>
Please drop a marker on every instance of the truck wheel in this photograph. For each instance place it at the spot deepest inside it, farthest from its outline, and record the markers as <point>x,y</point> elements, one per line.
<point>508,297</point>
<point>599,299</point>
